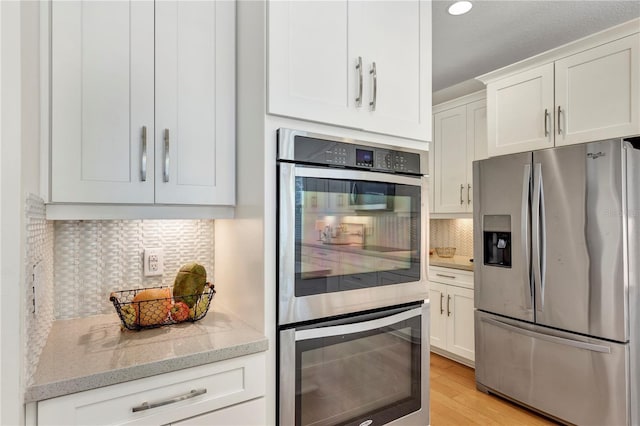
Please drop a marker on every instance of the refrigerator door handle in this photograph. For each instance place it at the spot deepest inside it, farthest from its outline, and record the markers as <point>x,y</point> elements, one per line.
<point>543,243</point>
<point>524,233</point>
<point>549,338</point>
<point>537,232</point>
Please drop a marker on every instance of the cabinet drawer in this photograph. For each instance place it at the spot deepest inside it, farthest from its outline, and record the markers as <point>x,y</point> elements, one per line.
<point>251,413</point>
<point>451,276</point>
<point>175,396</point>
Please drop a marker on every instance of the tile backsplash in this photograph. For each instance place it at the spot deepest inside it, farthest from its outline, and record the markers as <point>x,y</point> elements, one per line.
<point>93,258</point>
<point>456,233</point>
<point>38,283</point>
<point>71,267</point>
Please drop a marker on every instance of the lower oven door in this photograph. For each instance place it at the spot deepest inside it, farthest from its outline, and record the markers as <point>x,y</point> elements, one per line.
<point>369,369</point>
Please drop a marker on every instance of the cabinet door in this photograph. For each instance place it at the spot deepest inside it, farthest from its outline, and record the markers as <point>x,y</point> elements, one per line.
<point>450,140</point>
<point>396,37</point>
<point>516,107</point>
<point>195,102</point>
<point>460,326</point>
<point>101,99</point>
<point>252,413</point>
<point>311,75</point>
<point>598,93</point>
<point>438,325</point>
<point>476,142</point>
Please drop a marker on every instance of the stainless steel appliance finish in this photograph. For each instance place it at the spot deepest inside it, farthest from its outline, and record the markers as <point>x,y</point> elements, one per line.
<point>556,281</point>
<point>377,278</point>
<point>574,378</point>
<point>366,368</point>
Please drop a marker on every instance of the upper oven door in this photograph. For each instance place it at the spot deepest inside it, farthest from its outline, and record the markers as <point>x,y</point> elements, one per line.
<point>348,241</point>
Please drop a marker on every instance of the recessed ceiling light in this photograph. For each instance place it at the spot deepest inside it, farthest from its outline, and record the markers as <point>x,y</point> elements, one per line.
<point>460,7</point>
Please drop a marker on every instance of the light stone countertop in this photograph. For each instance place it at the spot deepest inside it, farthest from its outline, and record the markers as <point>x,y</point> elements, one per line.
<point>87,353</point>
<point>455,262</point>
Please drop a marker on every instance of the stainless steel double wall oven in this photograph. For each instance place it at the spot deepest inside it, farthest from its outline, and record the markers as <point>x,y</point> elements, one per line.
<point>352,318</point>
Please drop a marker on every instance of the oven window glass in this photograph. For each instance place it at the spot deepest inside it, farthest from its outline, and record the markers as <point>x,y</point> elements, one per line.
<point>349,379</point>
<point>353,234</point>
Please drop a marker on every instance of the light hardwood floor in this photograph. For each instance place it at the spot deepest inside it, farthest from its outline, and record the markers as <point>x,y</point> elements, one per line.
<point>455,400</point>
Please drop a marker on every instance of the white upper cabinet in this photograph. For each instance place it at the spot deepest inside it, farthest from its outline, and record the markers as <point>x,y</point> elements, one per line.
<point>590,94</point>
<point>598,93</point>
<point>308,77</point>
<point>460,137</point>
<point>358,64</point>
<point>143,102</point>
<point>101,102</point>
<point>450,151</point>
<point>195,102</point>
<point>521,112</point>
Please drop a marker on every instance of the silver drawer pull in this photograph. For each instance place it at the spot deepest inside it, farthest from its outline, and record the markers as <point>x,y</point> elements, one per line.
<point>446,276</point>
<point>148,406</point>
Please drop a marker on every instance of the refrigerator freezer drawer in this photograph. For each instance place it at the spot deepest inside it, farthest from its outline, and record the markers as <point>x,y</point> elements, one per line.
<point>577,379</point>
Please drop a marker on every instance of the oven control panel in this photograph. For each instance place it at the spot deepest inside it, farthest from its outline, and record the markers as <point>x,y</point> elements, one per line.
<point>332,153</point>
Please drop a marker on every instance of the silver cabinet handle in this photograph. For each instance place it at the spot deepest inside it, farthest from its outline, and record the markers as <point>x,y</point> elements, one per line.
<point>448,307</point>
<point>374,75</point>
<point>166,155</point>
<point>461,189</point>
<point>446,276</point>
<point>143,157</point>
<point>441,306</point>
<point>559,112</point>
<point>148,406</point>
<point>546,122</point>
<point>359,70</point>
<point>468,193</point>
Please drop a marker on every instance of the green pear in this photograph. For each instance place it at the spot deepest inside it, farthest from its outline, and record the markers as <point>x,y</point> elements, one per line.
<point>189,283</point>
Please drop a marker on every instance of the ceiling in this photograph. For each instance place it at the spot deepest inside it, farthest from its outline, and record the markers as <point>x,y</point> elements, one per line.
<point>498,33</point>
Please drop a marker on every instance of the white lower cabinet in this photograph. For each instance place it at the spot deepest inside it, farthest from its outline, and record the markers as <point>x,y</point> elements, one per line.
<point>210,394</point>
<point>452,326</point>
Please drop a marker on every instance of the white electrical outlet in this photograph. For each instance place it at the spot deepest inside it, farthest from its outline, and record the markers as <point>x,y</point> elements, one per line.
<point>153,262</point>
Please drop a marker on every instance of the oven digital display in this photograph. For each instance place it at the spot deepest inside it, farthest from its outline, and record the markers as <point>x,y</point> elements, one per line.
<point>364,158</point>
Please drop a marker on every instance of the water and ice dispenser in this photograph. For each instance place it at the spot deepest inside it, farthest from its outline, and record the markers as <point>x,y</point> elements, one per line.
<point>497,240</point>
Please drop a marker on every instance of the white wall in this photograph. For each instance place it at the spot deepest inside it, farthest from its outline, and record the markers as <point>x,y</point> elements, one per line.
<point>243,247</point>
<point>11,253</point>
<point>19,176</point>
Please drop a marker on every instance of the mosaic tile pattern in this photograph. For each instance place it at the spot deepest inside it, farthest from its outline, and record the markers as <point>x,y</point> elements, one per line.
<point>94,258</point>
<point>456,233</point>
<point>38,273</point>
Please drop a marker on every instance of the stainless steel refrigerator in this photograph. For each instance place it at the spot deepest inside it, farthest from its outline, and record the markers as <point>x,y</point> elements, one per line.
<point>557,297</point>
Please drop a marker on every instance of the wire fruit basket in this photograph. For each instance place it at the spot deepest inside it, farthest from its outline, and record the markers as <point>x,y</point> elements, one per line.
<point>157,312</point>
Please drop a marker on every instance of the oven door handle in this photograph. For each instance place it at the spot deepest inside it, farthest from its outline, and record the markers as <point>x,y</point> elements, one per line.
<point>335,173</point>
<point>353,194</point>
<point>360,327</point>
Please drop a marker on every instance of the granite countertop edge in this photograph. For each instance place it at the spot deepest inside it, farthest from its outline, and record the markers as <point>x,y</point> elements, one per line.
<point>452,263</point>
<point>78,384</point>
